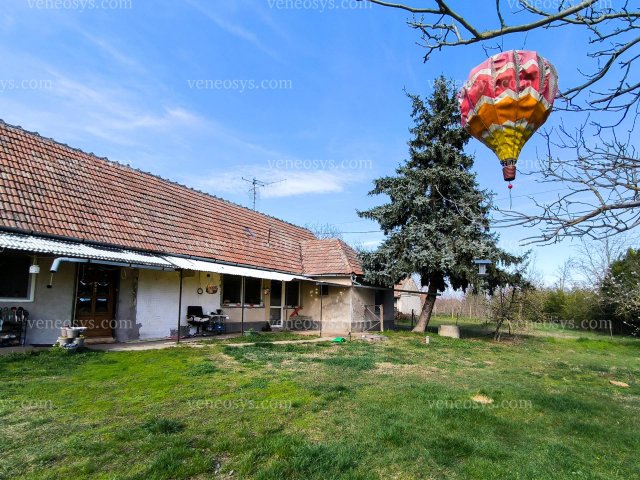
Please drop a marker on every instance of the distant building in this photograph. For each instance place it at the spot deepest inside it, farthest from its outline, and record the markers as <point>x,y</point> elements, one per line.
<point>406,301</point>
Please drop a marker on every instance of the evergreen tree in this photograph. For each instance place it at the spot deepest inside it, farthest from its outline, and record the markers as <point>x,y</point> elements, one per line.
<point>436,222</point>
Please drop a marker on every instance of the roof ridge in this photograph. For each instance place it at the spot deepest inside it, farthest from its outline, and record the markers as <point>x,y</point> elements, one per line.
<point>123,165</point>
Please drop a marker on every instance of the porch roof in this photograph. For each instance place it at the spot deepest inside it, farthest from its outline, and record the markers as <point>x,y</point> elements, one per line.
<point>204,266</point>
<point>103,254</point>
<point>61,248</point>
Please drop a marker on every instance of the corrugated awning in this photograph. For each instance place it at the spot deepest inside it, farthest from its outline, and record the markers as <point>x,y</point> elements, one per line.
<point>212,267</point>
<point>99,254</point>
<point>31,243</point>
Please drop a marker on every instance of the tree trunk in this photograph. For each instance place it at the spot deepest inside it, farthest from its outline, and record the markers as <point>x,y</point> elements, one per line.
<point>427,309</point>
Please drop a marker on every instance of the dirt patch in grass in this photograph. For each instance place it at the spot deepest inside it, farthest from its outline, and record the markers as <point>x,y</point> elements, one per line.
<point>619,384</point>
<point>482,399</point>
<point>403,368</point>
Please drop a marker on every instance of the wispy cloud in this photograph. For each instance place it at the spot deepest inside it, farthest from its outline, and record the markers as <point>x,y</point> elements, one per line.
<point>286,183</point>
<point>235,29</point>
<point>113,52</point>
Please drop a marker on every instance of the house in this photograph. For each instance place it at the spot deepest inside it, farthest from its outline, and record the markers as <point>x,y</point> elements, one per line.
<point>406,299</point>
<point>89,241</point>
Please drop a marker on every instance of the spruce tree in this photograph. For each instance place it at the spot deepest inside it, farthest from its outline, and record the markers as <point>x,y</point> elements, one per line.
<point>437,220</point>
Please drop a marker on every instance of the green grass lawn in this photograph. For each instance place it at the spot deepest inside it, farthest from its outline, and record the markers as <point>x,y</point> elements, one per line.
<point>393,410</point>
<point>260,337</point>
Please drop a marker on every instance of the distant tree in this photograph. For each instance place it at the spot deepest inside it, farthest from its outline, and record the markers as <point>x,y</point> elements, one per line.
<point>565,274</point>
<point>511,299</point>
<point>621,291</point>
<point>436,222</point>
<point>324,230</point>
<point>594,259</point>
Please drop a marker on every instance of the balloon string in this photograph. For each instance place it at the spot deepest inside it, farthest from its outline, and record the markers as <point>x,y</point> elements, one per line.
<point>510,199</point>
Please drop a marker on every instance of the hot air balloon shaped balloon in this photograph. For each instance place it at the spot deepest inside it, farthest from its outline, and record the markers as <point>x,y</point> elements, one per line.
<point>505,100</point>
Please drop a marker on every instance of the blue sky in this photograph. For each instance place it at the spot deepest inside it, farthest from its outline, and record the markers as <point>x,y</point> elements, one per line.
<point>206,92</point>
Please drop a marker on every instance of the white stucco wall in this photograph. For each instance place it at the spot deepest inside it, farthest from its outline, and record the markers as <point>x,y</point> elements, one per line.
<point>208,302</point>
<point>157,304</point>
<point>51,307</point>
<point>408,302</point>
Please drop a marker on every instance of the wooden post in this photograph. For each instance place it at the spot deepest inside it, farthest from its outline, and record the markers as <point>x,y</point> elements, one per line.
<point>381,318</point>
<point>610,328</point>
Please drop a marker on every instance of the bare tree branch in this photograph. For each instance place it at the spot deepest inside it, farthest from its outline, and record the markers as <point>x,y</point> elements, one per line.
<point>614,32</point>
<point>602,183</point>
<point>600,174</point>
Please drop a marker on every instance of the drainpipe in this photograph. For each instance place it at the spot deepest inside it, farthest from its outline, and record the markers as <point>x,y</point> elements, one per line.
<point>242,306</point>
<point>56,265</point>
<point>180,306</point>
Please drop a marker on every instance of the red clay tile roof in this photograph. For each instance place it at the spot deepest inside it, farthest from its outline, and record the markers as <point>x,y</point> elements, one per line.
<point>330,256</point>
<point>50,188</point>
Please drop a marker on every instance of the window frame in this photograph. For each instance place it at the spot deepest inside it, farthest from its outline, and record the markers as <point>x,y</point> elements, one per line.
<point>224,287</point>
<point>299,299</point>
<point>31,287</point>
<point>260,293</point>
<point>242,296</point>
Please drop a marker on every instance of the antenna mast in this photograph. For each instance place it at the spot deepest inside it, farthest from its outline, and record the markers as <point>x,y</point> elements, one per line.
<point>255,185</point>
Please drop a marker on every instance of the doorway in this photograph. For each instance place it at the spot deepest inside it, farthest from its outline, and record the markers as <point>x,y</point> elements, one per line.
<point>276,311</point>
<point>96,294</point>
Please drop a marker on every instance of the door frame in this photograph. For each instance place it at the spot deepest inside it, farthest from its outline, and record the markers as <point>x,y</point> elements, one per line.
<point>116,271</point>
<point>281,307</point>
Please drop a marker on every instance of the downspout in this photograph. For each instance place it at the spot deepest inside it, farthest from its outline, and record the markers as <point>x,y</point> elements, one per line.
<point>180,306</point>
<point>242,307</point>
<point>75,296</point>
<point>55,265</point>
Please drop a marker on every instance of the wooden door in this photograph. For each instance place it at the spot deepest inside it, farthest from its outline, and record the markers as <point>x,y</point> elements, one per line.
<point>95,299</point>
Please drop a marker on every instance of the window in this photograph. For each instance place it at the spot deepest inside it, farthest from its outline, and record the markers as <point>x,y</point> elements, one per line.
<point>15,280</point>
<point>292,294</point>
<point>324,290</point>
<point>252,291</point>
<point>231,289</point>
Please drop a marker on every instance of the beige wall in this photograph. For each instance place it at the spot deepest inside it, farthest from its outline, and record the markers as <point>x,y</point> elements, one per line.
<point>157,305</point>
<point>336,311</point>
<point>51,307</point>
<point>362,297</point>
<point>147,305</point>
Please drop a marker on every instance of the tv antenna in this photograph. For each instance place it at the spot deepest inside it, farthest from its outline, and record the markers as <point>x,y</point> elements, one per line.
<point>255,185</point>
